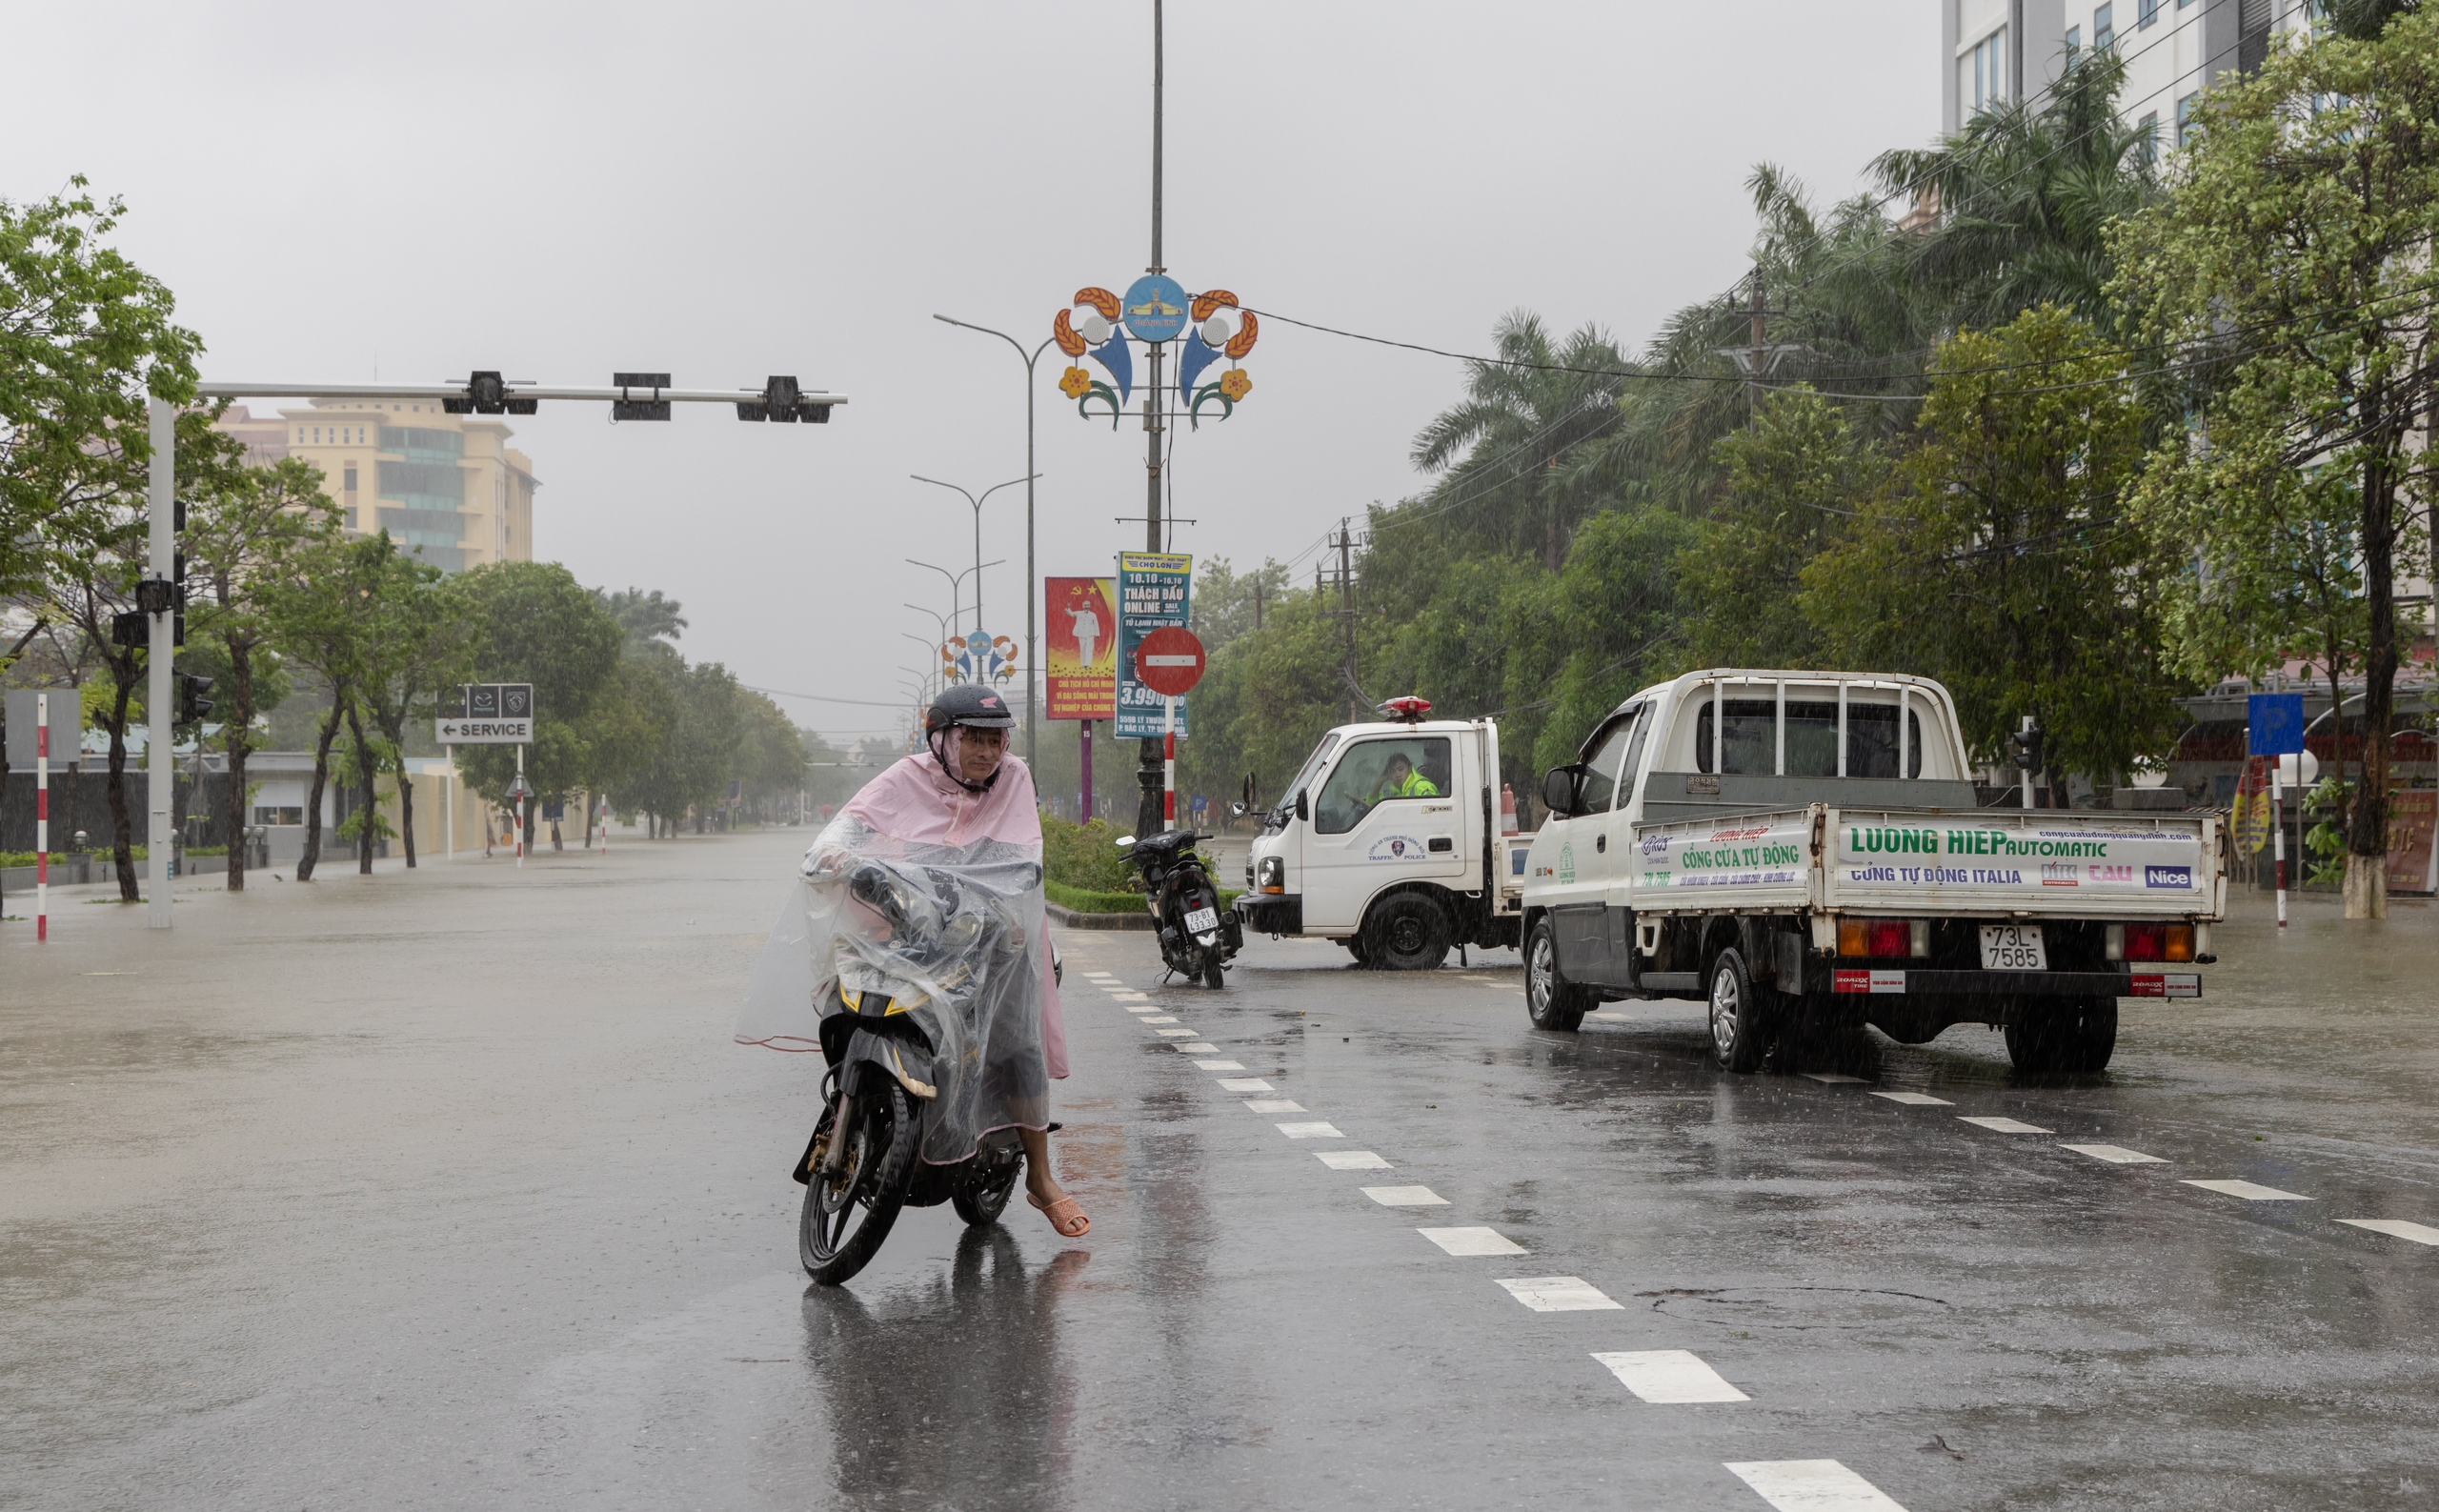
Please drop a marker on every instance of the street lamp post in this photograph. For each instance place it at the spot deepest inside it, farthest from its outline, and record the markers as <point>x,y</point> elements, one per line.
<point>1033,584</point>
<point>976,503</point>
<point>957,591</point>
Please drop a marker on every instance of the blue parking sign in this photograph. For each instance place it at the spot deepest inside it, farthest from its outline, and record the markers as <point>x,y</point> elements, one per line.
<point>2274,723</point>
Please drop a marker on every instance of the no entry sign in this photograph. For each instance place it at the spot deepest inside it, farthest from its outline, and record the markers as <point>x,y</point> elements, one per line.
<point>1169,660</point>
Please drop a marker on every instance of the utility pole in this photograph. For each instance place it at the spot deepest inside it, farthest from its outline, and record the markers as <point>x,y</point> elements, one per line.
<point>1346,613</point>
<point>1753,374</point>
<point>1258,588</point>
<point>1151,769</point>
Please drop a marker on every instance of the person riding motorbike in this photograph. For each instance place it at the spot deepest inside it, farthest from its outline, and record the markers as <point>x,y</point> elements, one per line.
<point>929,885</point>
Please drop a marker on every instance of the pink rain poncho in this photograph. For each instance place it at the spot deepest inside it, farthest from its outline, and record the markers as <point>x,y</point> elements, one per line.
<point>931,894</point>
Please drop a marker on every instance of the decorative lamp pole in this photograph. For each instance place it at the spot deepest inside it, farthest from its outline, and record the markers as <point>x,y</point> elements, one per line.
<point>1156,310</point>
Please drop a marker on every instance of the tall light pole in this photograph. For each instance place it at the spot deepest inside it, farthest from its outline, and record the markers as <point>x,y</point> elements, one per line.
<point>976,503</point>
<point>1032,583</point>
<point>957,591</point>
<point>1150,772</point>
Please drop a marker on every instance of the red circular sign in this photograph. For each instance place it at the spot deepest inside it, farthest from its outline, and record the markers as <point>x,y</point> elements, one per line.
<point>1169,660</point>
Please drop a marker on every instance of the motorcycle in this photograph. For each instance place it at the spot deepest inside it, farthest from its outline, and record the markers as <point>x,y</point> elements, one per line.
<point>1198,937</point>
<point>950,939</point>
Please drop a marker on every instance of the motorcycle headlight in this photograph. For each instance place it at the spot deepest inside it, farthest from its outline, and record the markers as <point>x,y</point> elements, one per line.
<point>1273,873</point>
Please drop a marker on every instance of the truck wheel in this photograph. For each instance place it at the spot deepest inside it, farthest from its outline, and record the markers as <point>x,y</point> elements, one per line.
<point>1406,933</point>
<point>1739,1032</point>
<point>1550,1001</point>
<point>2077,1035</point>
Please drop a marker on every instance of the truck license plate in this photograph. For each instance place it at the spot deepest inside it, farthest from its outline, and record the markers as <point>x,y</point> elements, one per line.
<point>2013,947</point>
<point>1202,920</point>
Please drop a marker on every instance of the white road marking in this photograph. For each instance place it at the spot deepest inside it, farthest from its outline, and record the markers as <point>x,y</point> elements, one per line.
<point>1607,1018</point>
<point>1352,1161</point>
<point>1472,1240</point>
<point>1405,1197</point>
<point>1103,976</point>
<point>1197,1048</point>
<point>1162,1018</point>
<point>1243,1084</point>
<point>1831,1077</point>
<point>2004,1126</point>
<point>1220,1065</point>
<point>1311,1131</point>
<point>2251,1191</point>
<point>1126,997</point>
<point>1147,1008</point>
<point>2115,1154</point>
<point>1273,1105</point>
<point>1669,1376</point>
<point>1812,1485</point>
<point>1916,1100</point>
<point>1559,1294</point>
<point>2396,1228</point>
<point>1173,1034</point>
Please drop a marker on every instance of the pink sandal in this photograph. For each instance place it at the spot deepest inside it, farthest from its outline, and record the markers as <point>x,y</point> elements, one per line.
<point>1064,1216</point>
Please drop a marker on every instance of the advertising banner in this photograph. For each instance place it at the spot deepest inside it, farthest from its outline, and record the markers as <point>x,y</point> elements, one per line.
<point>1984,856</point>
<point>1083,659</point>
<point>1153,589</point>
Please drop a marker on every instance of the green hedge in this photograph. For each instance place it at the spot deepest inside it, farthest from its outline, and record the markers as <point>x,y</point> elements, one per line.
<point>102,855</point>
<point>1085,900</point>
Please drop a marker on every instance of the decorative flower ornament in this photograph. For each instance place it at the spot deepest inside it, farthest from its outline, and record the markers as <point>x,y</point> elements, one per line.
<point>1075,382</point>
<point>1236,385</point>
<point>1155,311</point>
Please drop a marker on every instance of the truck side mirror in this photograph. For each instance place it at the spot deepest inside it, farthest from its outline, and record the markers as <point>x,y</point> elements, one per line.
<point>1304,810</point>
<point>1559,788</point>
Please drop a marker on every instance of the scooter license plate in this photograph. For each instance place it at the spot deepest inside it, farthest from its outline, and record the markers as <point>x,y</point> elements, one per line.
<point>1202,920</point>
<point>2013,947</point>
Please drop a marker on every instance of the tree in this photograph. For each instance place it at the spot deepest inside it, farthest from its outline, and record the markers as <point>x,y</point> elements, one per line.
<point>323,619</point>
<point>644,616</point>
<point>2289,265</point>
<point>1792,481</point>
<point>538,625</point>
<point>86,339</point>
<point>420,639</point>
<point>2001,561</point>
<point>690,764</point>
<point>245,527</point>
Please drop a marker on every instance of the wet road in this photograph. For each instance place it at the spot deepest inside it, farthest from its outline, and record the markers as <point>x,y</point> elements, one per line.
<point>451,1192</point>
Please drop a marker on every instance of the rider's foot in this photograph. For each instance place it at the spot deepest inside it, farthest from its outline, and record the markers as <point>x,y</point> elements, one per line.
<point>1063,1213</point>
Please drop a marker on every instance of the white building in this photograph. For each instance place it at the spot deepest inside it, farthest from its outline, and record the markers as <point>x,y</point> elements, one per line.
<point>2014,50</point>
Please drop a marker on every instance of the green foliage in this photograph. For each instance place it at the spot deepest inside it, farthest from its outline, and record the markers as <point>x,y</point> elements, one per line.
<point>692,761</point>
<point>1086,900</point>
<point>537,624</point>
<point>644,616</point>
<point>1999,560</point>
<point>1085,857</point>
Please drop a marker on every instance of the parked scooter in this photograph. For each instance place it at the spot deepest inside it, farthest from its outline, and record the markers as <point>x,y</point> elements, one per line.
<point>1198,939</point>
<point>953,934</point>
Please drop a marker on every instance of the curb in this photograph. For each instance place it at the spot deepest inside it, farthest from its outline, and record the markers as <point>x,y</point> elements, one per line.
<point>1068,919</point>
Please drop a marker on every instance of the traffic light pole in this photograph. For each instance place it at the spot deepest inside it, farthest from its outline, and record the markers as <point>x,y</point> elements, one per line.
<point>637,397</point>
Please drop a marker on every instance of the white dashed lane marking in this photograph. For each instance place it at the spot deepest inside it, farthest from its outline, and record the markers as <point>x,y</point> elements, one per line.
<point>1138,1012</point>
<point>1160,1019</point>
<point>1669,1376</point>
<point>1559,1294</point>
<point>2004,1125</point>
<point>2249,1191</point>
<point>1198,1048</point>
<point>1405,1197</point>
<point>2396,1228</point>
<point>2115,1154</point>
<point>1273,1105</point>
<point>1916,1100</point>
<point>1352,1161</point>
<point>1831,1077</point>
<point>1243,1084</point>
<point>1311,1131</point>
<point>1472,1240</point>
<point>1172,1033</point>
<point>1215,1065</point>
<point>1812,1485</point>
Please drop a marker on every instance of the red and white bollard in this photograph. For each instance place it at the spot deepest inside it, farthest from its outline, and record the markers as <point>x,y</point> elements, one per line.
<point>42,816</point>
<point>1169,766</point>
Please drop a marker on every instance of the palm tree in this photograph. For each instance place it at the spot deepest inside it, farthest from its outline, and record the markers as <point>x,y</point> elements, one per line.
<point>1502,450</point>
<point>645,616</point>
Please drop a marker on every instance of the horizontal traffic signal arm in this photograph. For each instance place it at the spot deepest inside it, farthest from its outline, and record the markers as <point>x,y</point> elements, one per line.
<point>779,397</point>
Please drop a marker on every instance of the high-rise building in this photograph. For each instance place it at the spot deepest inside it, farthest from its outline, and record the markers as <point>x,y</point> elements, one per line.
<point>2015,50</point>
<point>446,486</point>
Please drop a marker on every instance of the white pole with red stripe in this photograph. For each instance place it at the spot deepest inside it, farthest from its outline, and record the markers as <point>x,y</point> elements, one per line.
<point>1169,766</point>
<point>42,816</point>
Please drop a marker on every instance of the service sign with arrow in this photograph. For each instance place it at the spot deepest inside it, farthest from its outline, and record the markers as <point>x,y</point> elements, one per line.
<point>489,713</point>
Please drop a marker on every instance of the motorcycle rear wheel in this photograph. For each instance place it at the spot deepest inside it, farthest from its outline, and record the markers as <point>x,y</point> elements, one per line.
<point>982,1209</point>
<point>845,1219</point>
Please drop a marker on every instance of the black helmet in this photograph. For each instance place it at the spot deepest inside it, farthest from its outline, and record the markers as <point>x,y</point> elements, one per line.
<point>968,703</point>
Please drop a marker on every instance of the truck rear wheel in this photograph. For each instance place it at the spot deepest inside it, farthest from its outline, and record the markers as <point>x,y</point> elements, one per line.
<point>1550,1001</point>
<point>2075,1034</point>
<point>1407,932</point>
<point>1739,1024</point>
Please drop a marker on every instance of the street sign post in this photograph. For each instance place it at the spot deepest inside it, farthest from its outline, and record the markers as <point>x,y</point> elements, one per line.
<point>1169,661</point>
<point>495,714</point>
<point>2275,727</point>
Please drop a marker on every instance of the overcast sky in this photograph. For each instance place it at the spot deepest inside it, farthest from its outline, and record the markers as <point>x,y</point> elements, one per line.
<point>725,192</point>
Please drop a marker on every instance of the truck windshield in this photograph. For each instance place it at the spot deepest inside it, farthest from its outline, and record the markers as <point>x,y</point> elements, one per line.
<point>1376,772</point>
<point>1312,766</point>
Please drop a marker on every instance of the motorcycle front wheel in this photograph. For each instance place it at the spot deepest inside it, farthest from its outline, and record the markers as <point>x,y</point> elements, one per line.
<point>846,1216</point>
<point>1212,973</point>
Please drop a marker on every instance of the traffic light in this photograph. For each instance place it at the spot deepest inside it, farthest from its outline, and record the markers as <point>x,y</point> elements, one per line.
<point>194,706</point>
<point>486,394</point>
<point>783,400</point>
<point>2026,743</point>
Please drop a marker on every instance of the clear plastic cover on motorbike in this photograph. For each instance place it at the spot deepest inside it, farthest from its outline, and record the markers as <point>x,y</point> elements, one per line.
<point>954,935</point>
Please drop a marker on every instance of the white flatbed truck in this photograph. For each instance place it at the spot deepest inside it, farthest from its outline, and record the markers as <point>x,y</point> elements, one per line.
<point>1804,850</point>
